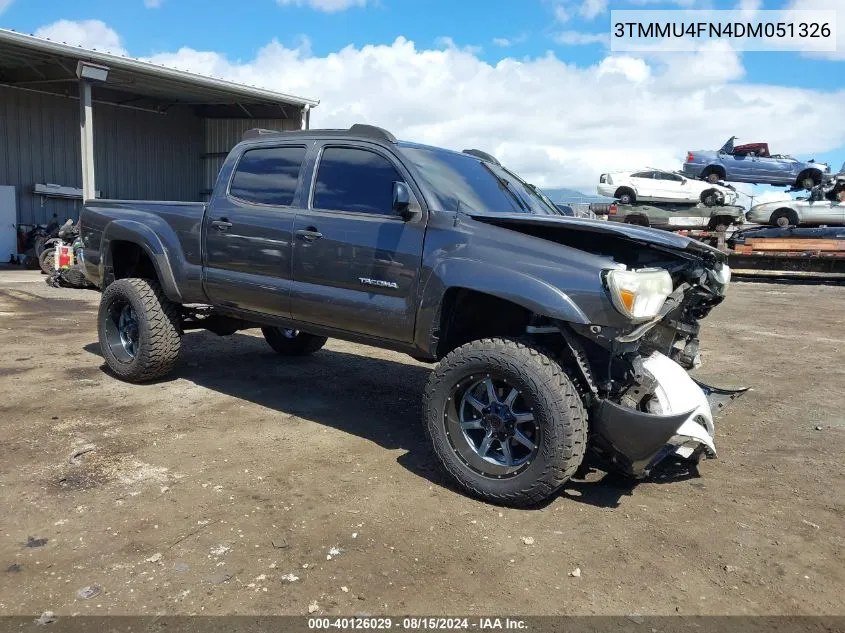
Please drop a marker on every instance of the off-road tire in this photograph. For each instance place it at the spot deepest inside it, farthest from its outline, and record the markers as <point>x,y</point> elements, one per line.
<point>557,408</point>
<point>159,329</point>
<point>303,344</point>
<point>47,261</point>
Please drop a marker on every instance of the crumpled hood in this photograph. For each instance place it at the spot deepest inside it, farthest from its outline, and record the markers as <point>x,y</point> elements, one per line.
<point>641,234</point>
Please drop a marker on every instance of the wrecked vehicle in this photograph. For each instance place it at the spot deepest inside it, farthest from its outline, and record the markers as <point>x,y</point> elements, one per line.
<point>752,163</point>
<point>552,335</point>
<point>673,217</point>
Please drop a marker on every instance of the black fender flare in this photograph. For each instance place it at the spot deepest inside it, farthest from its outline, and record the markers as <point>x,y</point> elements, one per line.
<point>535,295</point>
<point>148,239</point>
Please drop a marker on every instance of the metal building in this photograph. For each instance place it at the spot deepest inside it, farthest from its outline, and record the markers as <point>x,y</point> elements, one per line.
<point>158,133</point>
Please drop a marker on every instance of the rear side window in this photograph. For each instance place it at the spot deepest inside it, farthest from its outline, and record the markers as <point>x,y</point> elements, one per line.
<point>355,180</point>
<point>268,175</point>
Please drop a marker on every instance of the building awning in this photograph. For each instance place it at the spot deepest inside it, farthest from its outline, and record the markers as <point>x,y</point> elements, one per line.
<point>31,63</point>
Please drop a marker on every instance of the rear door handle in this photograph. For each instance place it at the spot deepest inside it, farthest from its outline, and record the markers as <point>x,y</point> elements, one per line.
<point>309,235</point>
<point>222,225</point>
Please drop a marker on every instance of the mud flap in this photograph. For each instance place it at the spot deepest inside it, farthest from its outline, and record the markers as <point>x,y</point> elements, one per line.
<point>718,398</point>
<point>639,437</point>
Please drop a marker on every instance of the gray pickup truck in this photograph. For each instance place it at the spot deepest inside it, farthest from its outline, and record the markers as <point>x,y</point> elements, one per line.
<point>553,335</point>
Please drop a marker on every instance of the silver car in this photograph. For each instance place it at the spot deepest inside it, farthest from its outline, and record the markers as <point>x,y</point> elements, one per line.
<point>825,205</point>
<point>798,212</point>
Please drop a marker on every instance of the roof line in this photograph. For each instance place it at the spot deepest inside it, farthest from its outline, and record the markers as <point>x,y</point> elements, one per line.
<point>132,64</point>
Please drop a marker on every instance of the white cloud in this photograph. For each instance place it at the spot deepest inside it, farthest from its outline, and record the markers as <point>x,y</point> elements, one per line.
<point>579,38</point>
<point>687,4</point>
<point>749,6</point>
<point>328,6</point>
<point>593,8</point>
<point>828,5</point>
<point>153,4</point>
<point>562,14</point>
<point>86,33</point>
<point>505,42</point>
<point>557,123</point>
<point>5,4</point>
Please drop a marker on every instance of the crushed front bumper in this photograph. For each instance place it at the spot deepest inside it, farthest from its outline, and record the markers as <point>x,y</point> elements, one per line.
<point>678,420</point>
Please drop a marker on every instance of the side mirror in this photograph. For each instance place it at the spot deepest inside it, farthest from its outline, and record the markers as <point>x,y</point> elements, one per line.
<point>683,181</point>
<point>402,201</point>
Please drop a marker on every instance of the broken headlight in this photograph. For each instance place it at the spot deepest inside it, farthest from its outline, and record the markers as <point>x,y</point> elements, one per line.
<point>639,294</point>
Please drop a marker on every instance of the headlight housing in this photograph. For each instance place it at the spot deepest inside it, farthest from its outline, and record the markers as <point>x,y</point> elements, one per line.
<point>639,294</point>
<point>722,276</point>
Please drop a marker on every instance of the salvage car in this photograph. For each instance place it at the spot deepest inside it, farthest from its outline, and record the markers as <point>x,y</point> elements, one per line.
<point>652,185</point>
<point>752,163</point>
<point>673,217</point>
<point>798,212</point>
<point>552,335</point>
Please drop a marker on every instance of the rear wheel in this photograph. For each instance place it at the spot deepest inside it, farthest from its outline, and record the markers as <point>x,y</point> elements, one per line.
<point>626,196</point>
<point>638,220</point>
<point>290,342</point>
<point>505,421</point>
<point>712,198</point>
<point>47,261</point>
<point>139,329</point>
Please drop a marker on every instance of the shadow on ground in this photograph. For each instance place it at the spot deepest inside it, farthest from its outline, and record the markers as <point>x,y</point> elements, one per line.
<point>376,399</point>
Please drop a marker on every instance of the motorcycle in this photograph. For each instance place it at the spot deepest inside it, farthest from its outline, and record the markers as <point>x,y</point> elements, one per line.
<point>66,235</point>
<point>61,259</point>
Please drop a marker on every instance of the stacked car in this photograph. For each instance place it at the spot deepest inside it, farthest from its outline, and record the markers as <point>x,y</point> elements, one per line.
<point>669,200</point>
<point>824,205</point>
<point>753,163</point>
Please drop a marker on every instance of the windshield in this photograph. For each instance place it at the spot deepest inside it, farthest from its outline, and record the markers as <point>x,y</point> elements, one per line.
<point>464,182</point>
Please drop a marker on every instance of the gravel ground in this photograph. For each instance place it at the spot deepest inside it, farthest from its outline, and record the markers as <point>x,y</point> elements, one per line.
<point>251,484</point>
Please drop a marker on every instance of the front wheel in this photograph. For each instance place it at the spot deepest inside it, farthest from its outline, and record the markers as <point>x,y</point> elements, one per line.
<point>505,421</point>
<point>290,342</point>
<point>140,330</point>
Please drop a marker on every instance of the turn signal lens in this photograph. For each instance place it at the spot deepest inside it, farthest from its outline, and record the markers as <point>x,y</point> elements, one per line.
<point>639,294</point>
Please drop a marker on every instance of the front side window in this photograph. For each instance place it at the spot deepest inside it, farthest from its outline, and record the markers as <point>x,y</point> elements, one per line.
<point>355,180</point>
<point>643,174</point>
<point>268,175</point>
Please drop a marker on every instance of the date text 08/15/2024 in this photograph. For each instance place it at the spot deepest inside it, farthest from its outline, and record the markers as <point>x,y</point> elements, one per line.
<point>418,623</point>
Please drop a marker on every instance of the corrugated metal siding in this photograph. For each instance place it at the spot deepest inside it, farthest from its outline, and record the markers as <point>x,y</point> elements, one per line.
<point>146,156</point>
<point>221,135</point>
<point>138,155</point>
<point>39,143</point>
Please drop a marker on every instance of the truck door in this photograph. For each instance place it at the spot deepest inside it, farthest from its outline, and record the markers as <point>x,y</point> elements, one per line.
<point>355,261</point>
<point>248,231</point>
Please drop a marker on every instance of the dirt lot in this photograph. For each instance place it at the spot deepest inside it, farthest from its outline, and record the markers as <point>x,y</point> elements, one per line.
<point>255,485</point>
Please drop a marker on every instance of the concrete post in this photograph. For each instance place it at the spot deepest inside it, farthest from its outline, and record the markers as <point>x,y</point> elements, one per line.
<point>86,128</point>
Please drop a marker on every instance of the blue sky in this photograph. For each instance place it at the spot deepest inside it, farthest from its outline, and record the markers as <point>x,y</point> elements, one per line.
<point>236,39</point>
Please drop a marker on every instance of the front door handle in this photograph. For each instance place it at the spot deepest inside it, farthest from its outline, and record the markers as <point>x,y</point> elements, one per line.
<point>309,235</point>
<point>222,225</point>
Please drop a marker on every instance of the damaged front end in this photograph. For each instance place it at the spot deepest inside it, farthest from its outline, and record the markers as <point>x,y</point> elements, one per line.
<point>644,405</point>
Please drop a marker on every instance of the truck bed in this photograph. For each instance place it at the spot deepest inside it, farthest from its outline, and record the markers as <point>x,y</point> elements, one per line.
<point>173,233</point>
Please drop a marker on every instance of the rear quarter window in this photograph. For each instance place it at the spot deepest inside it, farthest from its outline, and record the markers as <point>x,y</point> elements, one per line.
<point>268,175</point>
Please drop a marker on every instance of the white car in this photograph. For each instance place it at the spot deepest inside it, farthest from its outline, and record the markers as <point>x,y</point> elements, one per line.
<point>653,185</point>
